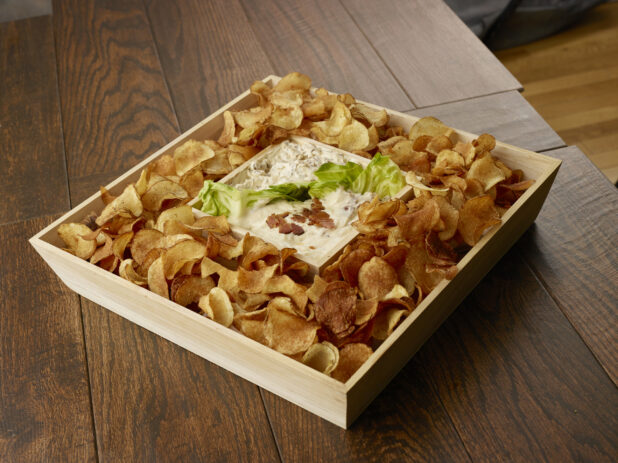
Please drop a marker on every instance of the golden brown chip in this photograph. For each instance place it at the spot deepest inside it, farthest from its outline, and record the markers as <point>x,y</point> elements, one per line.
<point>317,288</point>
<point>252,117</point>
<point>377,211</point>
<point>314,109</point>
<point>106,196</point>
<point>191,154</point>
<point>416,181</point>
<point>351,358</point>
<point>336,307</point>
<point>398,292</point>
<point>187,289</point>
<point>156,279</point>
<point>109,263</point>
<point>322,356</point>
<point>366,309</point>
<point>285,285</point>
<point>353,136</point>
<point>163,166</point>
<point>103,251</point>
<point>385,146</point>
<point>484,143</point>
<point>339,118</point>
<point>369,116</point>
<point>420,143</point>
<point>293,81</point>
<point>284,304</point>
<point>287,333</point>
<point>71,234</point>
<point>439,143</point>
<point>250,302</point>
<point>415,224</point>
<point>218,165</point>
<point>127,271</point>
<point>159,192</point>
<point>346,99</point>
<point>262,91</point>
<point>143,242</point>
<point>318,134</point>
<point>351,264</point>
<point>120,244</point>
<point>466,150</point>
<point>229,128</point>
<point>376,278</point>
<point>252,324</point>
<point>477,215</point>
<point>287,99</point>
<point>329,99</point>
<point>254,281</point>
<point>183,214</point>
<point>429,126</point>
<point>192,181</point>
<point>231,252</point>
<point>473,188</point>
<point>416,261</point>
<point>180,254</point>
<point>449,161</point>
<point>396,256</point>
<point>128,203</point>
<point>450,216</point>
<point>228,279</point>
<point>287,118</point>
<point>486,171</point>
<point>255,248</point>
<point>385,323</point>
<point>217,306</point>
<point>247,152</point>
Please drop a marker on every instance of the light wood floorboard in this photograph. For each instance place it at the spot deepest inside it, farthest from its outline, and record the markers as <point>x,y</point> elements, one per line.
<point>571,79</point>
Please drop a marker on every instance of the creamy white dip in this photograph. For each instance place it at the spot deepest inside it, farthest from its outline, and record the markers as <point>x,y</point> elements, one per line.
<point>316,241</point>
<point>292,161</point>
<point>289,162</point>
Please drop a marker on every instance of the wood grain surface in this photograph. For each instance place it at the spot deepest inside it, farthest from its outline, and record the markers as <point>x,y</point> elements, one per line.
<point>432,54</point>
<point>30,127</point>
<point>517,380</point>
<point>525,370</point>
<point>114,101</point>
<point>154,401</point>
<point>571,78</point>
<point>184,398</point>
<point>208,52</point>
<point>572,250</point>
<point>44,397</point>
<point>407,422</point>
<point>507,116</point>
<point>319,38</point>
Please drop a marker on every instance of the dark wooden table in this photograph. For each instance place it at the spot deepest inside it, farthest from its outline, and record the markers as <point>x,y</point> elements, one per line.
<point>525,370</point>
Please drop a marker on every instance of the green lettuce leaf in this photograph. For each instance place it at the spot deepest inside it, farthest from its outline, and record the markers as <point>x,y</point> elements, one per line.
<point>344,175</point>
<point>381,176</point>
<point>221,199</point>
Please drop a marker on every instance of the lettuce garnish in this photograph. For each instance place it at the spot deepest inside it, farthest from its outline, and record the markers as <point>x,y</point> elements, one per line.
<point>381,176</point>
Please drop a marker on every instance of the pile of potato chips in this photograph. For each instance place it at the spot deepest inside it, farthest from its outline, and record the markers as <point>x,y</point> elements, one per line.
<point>332,321</point>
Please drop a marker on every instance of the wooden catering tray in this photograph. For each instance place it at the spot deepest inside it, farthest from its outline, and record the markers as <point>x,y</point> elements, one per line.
<point>339,403</point>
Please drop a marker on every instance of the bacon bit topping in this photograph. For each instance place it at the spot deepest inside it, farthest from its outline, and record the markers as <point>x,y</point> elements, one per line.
<point>321,219</point>
<point>316,205</point>
<point>274,220</point>
<point>285,227</point>
<point>297,229</point>
<point>317,215</point>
